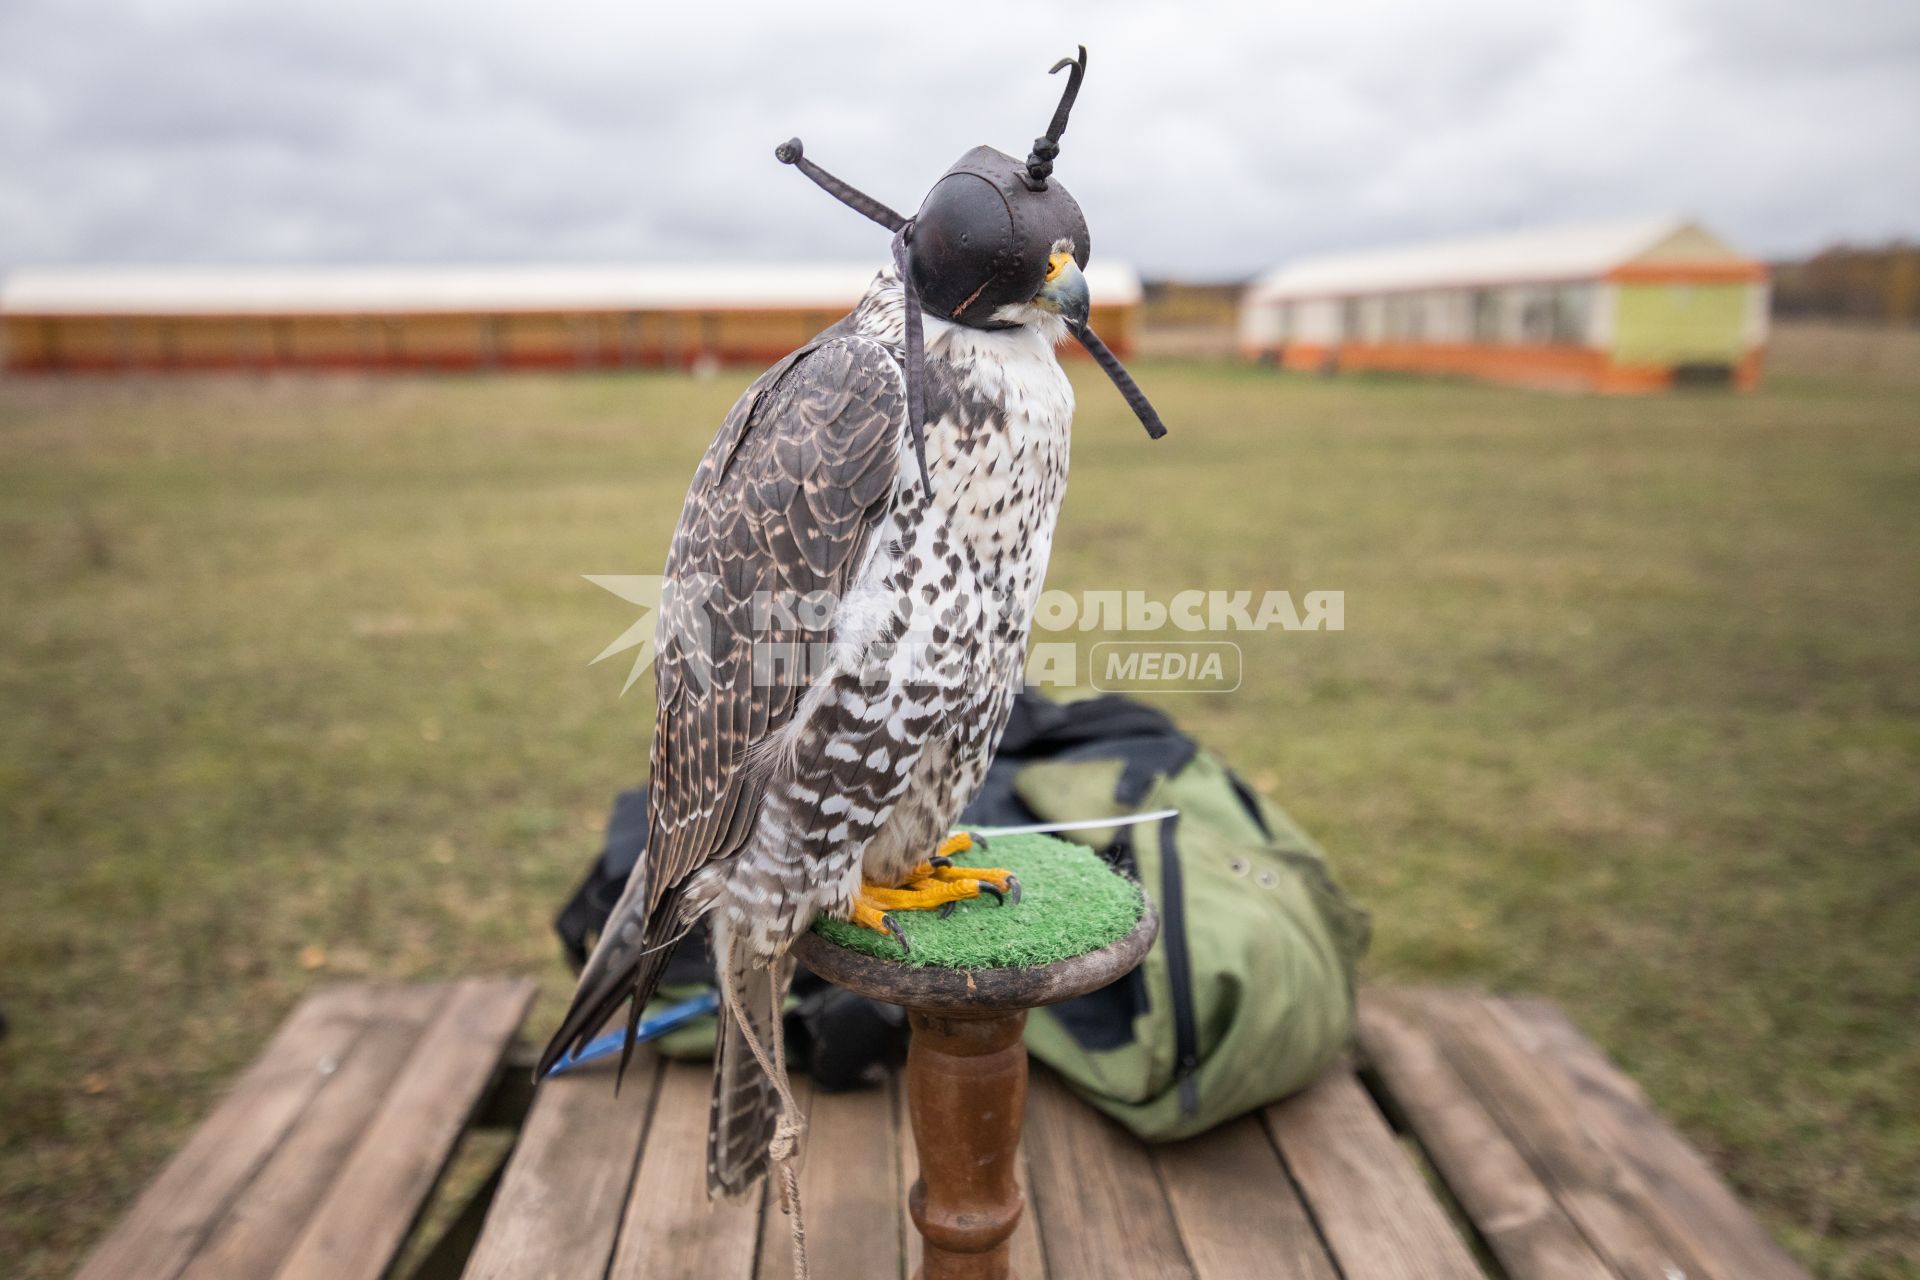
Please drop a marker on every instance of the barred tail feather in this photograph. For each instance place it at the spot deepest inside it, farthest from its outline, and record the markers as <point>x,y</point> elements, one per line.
<point>746,1104</point>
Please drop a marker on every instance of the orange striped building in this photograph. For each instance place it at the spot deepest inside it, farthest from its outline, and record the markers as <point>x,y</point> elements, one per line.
<point>1627,306</point>
<point>106,319</point>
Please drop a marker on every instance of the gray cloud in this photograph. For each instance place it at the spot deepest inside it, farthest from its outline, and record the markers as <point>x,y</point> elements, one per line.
<point>1209,141</point>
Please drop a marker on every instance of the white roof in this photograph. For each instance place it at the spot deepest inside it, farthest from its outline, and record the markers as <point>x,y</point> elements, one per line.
<point>1557,253</point>
<point>102,290</point>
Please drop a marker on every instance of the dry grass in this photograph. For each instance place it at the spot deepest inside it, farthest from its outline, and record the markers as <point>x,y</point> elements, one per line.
<point>296,688</point>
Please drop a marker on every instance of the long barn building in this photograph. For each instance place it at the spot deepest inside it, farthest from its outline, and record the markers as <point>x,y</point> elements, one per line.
<point>1627,306</point>
<point>106,319</point>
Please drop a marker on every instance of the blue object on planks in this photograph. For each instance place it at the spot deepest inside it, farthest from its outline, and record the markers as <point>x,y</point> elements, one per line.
<point>676,1016</point>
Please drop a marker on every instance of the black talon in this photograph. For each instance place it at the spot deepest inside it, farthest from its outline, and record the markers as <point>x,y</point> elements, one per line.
<point>939,860</point>
<point>946,909</point>
<point>893,927</point>
<point>1013,888</point>
<point>994,889</point>
<point>979,841</point>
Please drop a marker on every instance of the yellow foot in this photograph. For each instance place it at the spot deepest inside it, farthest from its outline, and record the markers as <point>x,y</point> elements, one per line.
<point>936,883</point>
<point>997,881</point>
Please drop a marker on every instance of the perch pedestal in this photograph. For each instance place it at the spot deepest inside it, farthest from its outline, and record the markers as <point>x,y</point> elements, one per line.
<point>967,1083</point>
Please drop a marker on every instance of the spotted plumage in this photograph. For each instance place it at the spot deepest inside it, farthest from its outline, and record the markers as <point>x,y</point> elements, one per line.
<point>796,749</point>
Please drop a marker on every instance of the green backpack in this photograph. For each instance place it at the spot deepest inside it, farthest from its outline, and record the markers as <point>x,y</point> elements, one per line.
<point>1246,995</point>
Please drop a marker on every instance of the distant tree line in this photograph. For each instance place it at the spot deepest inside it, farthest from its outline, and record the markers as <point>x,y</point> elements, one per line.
<point>1881,285</point>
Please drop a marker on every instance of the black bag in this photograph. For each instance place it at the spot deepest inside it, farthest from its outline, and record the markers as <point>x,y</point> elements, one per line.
<point>1175,1046</point>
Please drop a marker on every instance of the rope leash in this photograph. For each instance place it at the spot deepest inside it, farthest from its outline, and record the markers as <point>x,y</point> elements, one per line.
<point>786,1134</point>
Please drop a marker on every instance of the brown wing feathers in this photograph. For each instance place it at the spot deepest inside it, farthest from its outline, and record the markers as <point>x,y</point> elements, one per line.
<point>783,501</point>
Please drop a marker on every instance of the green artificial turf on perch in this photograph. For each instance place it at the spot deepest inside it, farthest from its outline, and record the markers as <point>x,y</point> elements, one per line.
<point>1070,903</point>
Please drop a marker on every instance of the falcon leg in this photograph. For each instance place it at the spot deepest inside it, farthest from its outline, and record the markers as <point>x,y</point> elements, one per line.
<point>935,883</point>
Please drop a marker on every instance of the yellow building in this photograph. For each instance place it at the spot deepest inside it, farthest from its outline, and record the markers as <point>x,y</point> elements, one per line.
<point>1626,306</point>
<point>103,319</point>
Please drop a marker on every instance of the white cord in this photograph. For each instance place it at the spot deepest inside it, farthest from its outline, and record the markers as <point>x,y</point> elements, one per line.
<point>786,1134</point>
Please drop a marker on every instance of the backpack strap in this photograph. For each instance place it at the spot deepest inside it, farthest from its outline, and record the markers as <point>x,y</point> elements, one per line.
<point>1108,727</point>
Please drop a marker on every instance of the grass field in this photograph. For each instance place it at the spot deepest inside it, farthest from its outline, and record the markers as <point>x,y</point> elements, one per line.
<point>295,687</point>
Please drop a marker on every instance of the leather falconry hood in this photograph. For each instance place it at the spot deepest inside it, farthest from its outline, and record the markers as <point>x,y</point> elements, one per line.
<point>982,240</point>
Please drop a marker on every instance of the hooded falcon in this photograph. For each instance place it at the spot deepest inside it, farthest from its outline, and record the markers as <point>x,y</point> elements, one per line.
<point>899,475</point>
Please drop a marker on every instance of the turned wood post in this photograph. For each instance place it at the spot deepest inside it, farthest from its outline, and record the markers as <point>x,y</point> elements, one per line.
<point>967,1096</point>
<point>967,1084</point>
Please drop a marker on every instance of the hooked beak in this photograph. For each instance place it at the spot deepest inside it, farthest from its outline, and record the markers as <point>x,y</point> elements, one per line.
<point>1065,292</point>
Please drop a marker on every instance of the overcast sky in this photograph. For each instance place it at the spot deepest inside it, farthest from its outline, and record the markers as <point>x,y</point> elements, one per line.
<point>1207,143</point>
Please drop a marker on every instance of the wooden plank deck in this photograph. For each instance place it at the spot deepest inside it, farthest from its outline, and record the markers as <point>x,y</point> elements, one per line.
<point>321,1156</point>
<point>1101,1204</point>
<point>1520,1153</point>
<point>1554,1169</point>
<point>1555,1157</point>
